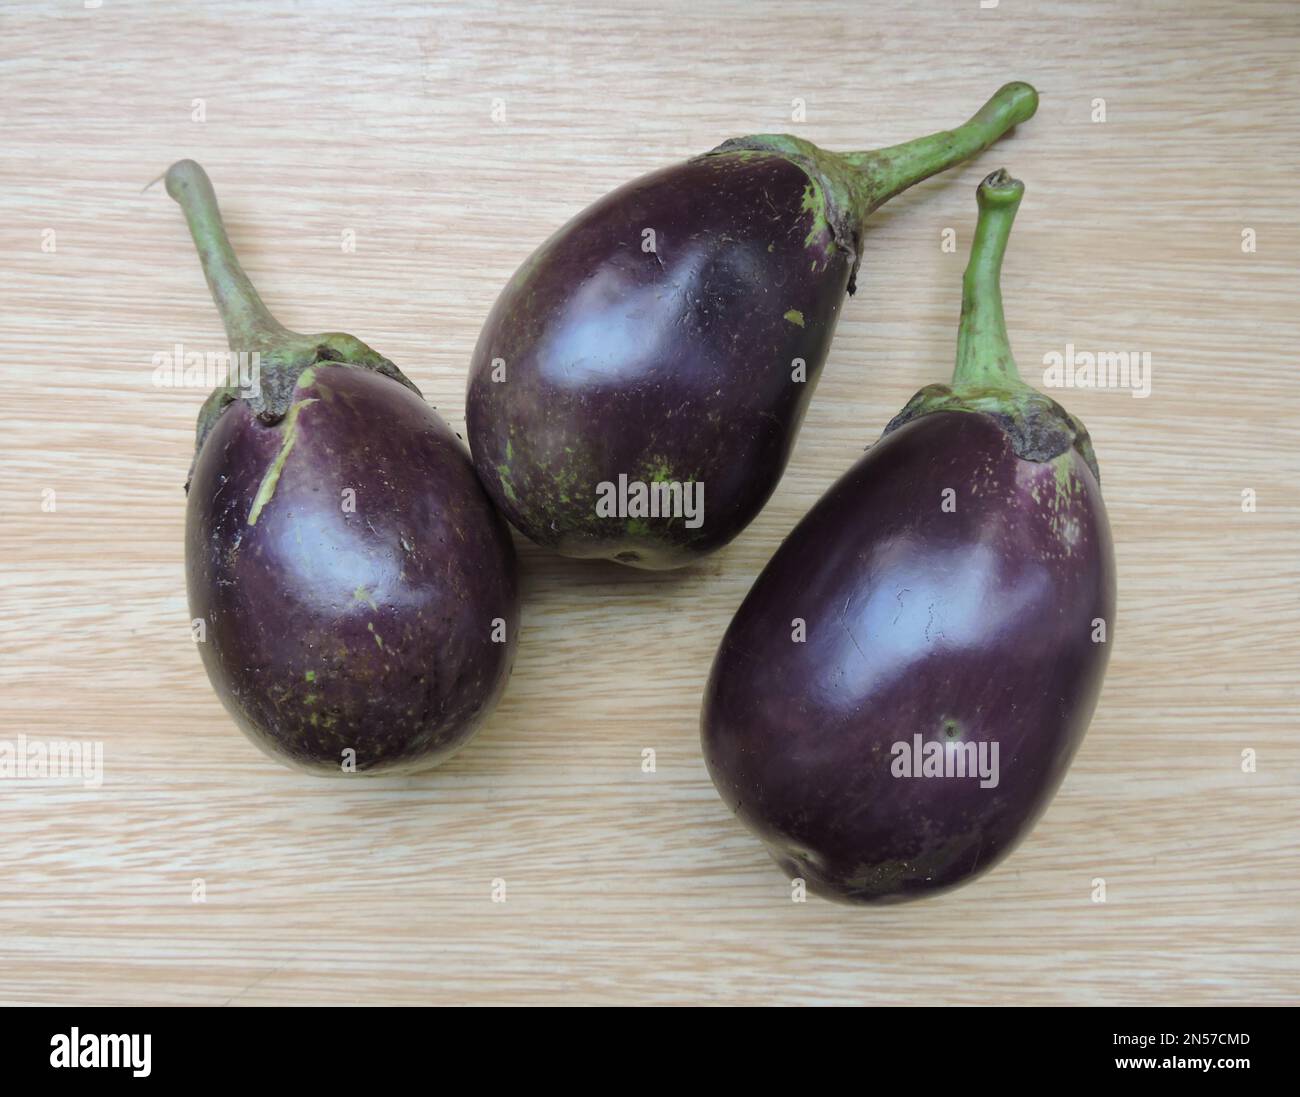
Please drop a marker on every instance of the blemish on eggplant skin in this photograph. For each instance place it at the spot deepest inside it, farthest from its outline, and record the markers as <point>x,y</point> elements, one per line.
<point>503,472</point>
<point>795,317</point>
<point>266,489</point>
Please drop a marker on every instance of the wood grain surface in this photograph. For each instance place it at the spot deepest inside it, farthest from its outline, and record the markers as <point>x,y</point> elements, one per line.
<point>315,120</point>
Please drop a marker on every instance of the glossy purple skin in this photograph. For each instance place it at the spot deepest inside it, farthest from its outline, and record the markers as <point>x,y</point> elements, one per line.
<point>674,364</point>
<point>970,625</point>
<point>369,630</point>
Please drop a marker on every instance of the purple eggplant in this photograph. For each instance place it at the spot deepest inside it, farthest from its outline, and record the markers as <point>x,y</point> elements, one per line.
<point>667,340</point>
<point>356,590</point>
<point>900,694</point>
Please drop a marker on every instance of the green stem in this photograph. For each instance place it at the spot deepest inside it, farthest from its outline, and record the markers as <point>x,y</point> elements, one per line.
<point>892,170</point>
<point>983,350</point>
<point>249,323</point>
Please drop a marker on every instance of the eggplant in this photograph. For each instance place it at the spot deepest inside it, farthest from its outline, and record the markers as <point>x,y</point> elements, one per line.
<point>900,693</point>
<point>668,339</point>
<point>355,591</point>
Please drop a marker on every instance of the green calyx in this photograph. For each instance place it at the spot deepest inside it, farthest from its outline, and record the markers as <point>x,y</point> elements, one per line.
<point>282,355</point>
<point>849,187</point>
<point>985,379</point>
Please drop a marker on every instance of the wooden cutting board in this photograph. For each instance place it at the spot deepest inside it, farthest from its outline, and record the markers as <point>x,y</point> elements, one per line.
<point>446,142</point>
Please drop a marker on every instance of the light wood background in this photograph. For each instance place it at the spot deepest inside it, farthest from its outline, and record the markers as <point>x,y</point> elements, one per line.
<point>623,886</point>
